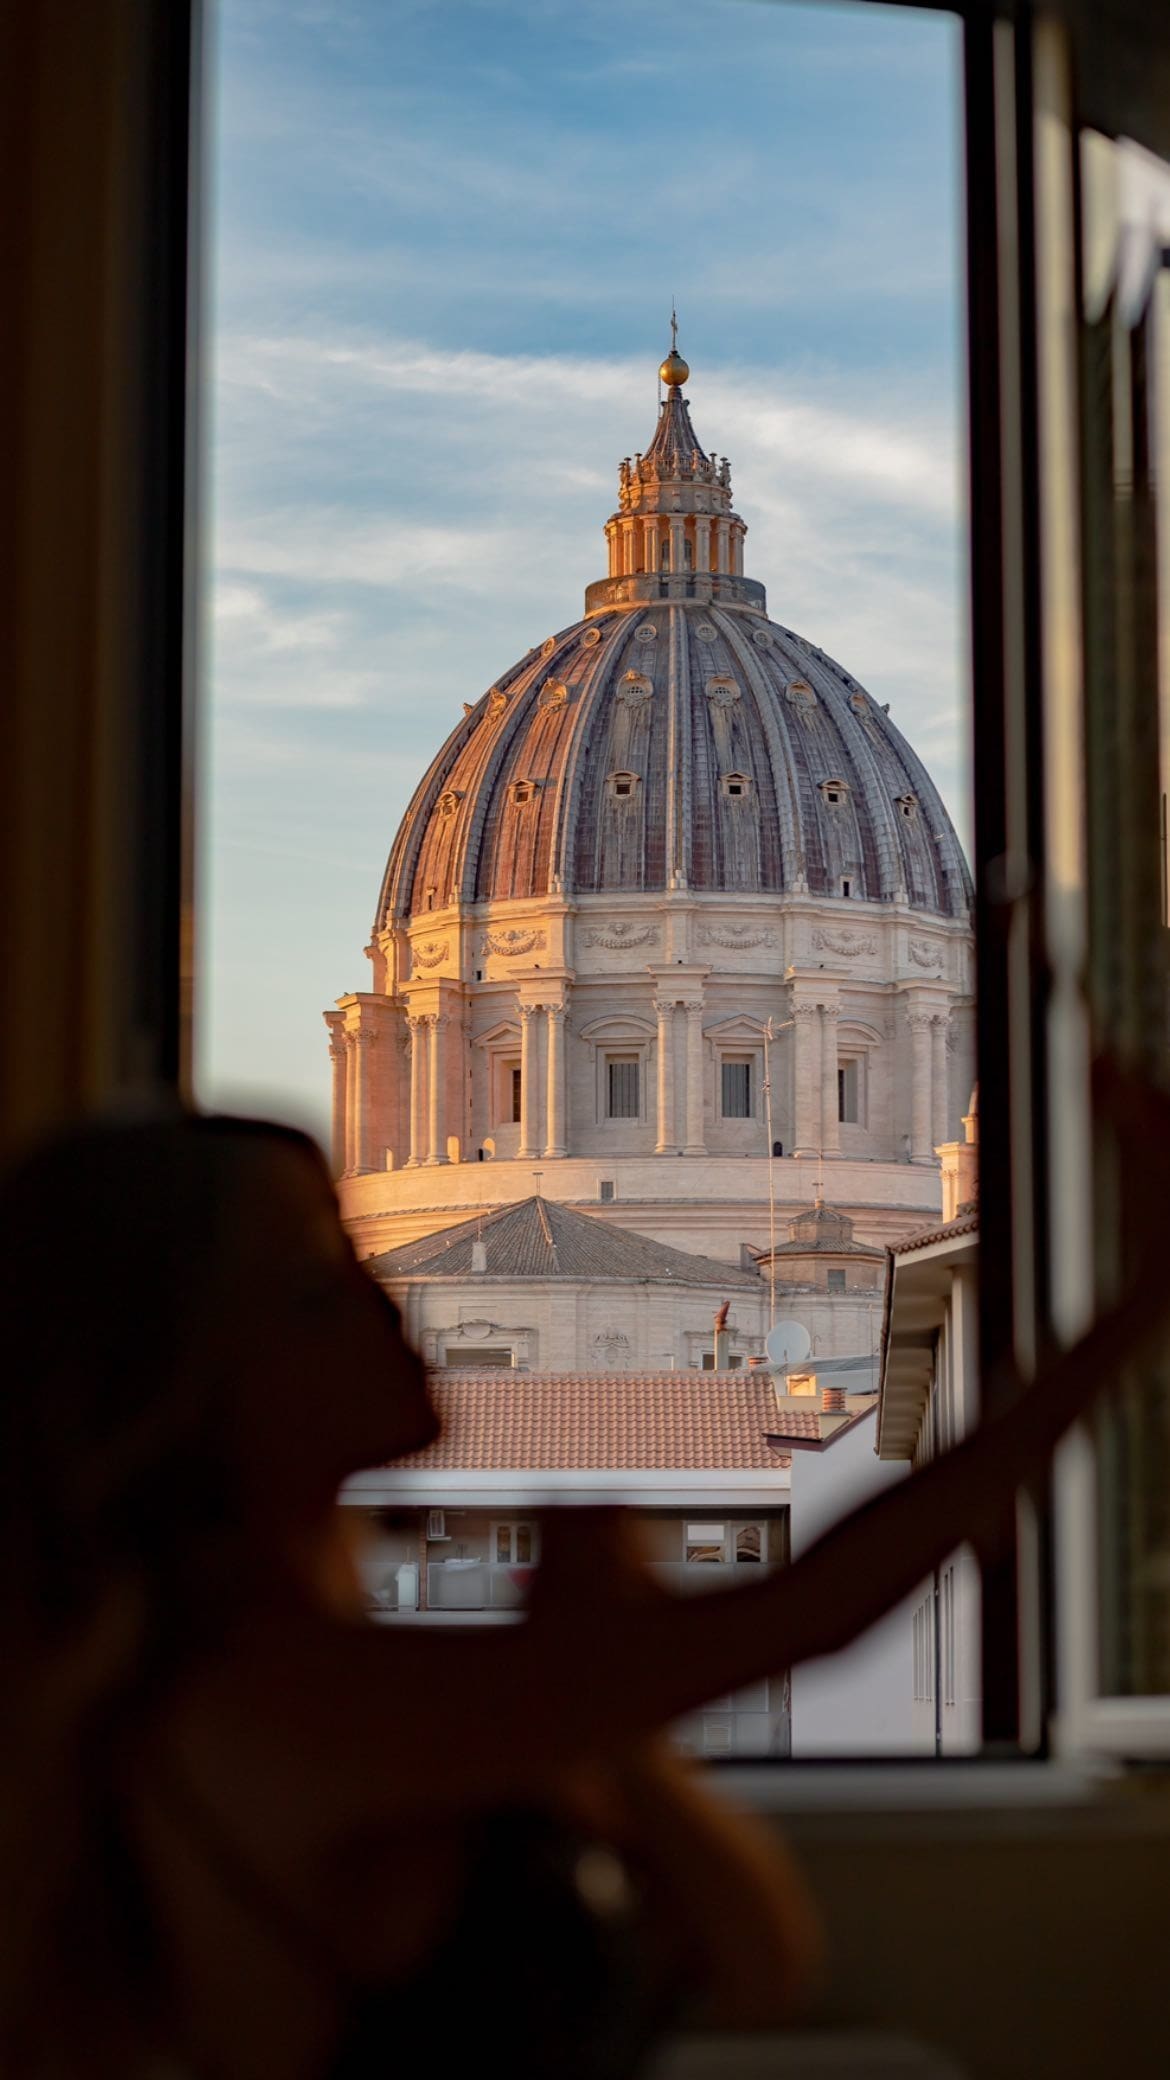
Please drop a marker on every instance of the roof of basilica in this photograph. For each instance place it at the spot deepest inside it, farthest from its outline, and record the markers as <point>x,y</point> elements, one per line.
<point>537,1238</point>
<point>675,737</point>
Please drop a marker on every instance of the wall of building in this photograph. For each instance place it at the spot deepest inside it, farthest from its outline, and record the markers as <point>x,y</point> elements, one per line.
<point>564,1326</point>
<point>860,1701</point>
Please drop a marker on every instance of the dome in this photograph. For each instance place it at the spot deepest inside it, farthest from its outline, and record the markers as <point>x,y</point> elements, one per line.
<point>675,737</point>
<point>583,767</point>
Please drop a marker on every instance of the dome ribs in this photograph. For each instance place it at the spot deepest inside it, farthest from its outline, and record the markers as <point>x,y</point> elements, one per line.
<point>728,773</point>
<point>783,864</point>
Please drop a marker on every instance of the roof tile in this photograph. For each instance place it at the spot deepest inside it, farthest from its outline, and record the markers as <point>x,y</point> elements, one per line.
<point>609,1422</point>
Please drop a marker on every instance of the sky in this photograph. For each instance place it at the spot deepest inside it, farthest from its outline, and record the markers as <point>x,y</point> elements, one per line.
<point>443,239</point>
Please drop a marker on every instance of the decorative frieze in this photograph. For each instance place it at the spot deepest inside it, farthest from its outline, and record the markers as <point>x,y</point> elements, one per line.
<point>706,632</point>
<point>645,632</point>
<point>427,953</point>
<point>739,938</point>
<point>508,944</point>
<point>553,694</point>
<point>615,936</point>
<point>845,942</point>
<point>925,953</point>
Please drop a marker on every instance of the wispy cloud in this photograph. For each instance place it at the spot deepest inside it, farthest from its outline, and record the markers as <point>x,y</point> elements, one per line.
<point>441,274</point>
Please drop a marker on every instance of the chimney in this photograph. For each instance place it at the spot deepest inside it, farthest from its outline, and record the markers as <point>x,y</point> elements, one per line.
<point>722,1339</point>
<point>833,1401</point>
<point>759,1363</point>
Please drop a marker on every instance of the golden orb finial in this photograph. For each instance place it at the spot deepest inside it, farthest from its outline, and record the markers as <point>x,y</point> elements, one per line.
<point>674,370</point>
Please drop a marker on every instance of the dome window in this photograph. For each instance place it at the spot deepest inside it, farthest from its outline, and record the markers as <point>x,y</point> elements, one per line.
<point>449,801</point>
<point>908,805</point>
<point>624,786</point>
<point>835,792</point>
<point>521,792</point>
<point>735,785</point>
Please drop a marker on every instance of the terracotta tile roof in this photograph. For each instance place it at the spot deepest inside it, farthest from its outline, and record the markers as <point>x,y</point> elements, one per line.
<point>963,1224</point>
<point>608,1422</point>
<point>537,1238</point>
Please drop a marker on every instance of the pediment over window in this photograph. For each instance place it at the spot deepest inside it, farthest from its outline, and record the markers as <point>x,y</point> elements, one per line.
<point>505,1033</point>
<point>741,1029</point>
<point>619,1027</point>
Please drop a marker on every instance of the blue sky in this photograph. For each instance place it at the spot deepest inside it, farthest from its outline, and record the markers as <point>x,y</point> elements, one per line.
<point>444,236</point>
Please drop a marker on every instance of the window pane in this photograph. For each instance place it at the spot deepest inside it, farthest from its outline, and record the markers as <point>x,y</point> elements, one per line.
<point>623,1089</point>
<point>737,1090</point>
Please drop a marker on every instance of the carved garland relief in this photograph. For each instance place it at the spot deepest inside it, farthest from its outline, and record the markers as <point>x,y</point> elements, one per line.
<point>849,944</point>
<point>738,937</point>
<point>427,953</point>
<point>513,942</point>
<point>615,936</point>
<point>925,954</point>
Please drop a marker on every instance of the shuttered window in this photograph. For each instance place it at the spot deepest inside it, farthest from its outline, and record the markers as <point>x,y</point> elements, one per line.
<point>737,1090</point>
<point>621,1095</point>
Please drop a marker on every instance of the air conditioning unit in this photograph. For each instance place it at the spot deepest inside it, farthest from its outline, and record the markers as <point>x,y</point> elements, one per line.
<point>436,1525</point>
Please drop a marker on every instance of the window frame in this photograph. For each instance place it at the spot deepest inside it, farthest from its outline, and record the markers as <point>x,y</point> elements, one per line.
<point>1017,690</point>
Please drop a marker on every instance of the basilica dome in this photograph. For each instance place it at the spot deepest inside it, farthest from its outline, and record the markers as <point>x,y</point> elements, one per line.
<point>675,738</point>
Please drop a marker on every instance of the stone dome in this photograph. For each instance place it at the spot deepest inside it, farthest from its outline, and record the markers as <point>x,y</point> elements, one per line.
<point>675,738</point>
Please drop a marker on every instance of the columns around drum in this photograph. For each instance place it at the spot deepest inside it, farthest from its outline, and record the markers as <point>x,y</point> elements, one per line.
<point>418,1039</point>
<point>556,1143</point>
<point>696,1144</point>
<point>806,1079</point>
<point>921,1108</point>
<point>666,1143</point>
<point>939,1094</point>
<point>830,1097</point>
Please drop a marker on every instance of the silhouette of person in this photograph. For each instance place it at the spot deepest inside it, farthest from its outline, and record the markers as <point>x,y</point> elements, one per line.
<point>245,1831</point>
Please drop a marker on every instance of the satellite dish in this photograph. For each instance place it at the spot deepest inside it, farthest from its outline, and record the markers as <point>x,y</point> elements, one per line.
<point>789,1343</point>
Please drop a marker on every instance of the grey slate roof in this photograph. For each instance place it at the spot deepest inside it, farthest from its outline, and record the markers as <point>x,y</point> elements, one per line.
<point>537,1238</point>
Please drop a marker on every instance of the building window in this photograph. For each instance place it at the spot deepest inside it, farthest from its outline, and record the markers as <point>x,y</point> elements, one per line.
<point>846,887</point>
<point>520,792</point>
<point>514,1544</point>
<point>736,784</point>
<point>467,1357</point>
<point>734,1361</point>
<point>836,1281</point>
<point>705,1543</point>
<point>749,1542</point>
<point>737,1088</point>
<point>621,1086</point>
<point>605,1191</point>
<point>515,1090</point>
<point>624,786</point>
<point>849,1093</point>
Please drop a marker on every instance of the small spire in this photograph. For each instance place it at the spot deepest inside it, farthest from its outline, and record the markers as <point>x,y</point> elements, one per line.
<point>674,370</point>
